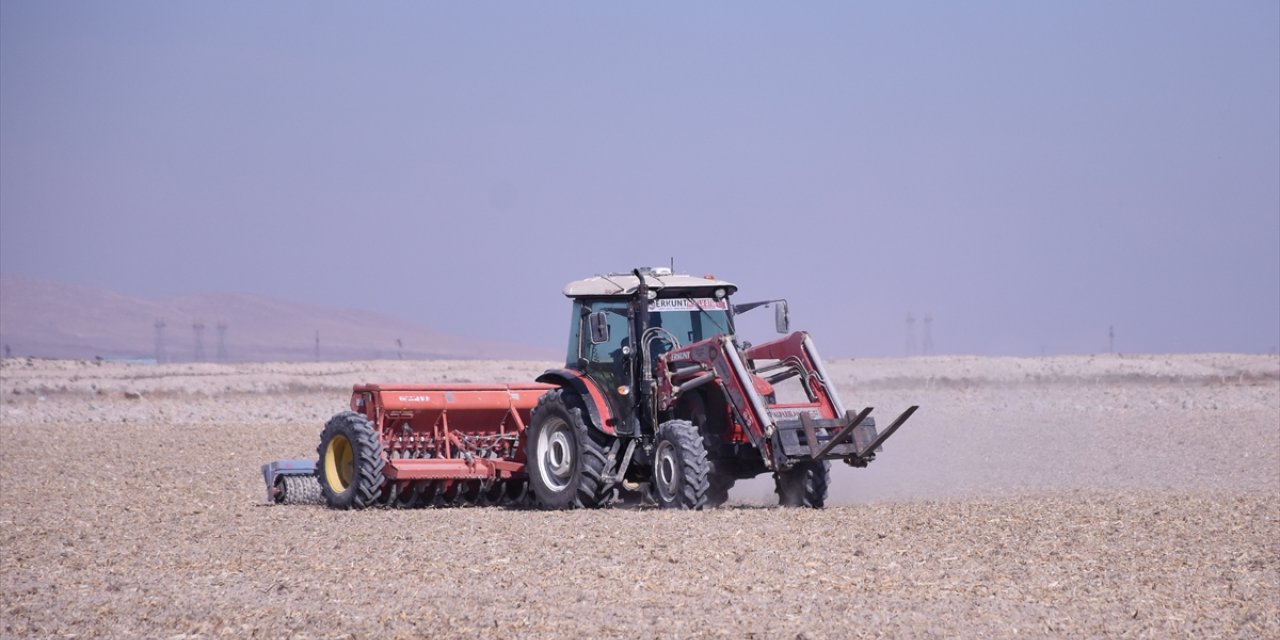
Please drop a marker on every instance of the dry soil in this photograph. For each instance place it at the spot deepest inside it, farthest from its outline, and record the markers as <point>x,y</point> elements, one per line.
<point>1072,497</point>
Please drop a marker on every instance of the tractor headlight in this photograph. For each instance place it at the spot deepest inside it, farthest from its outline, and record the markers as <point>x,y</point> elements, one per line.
<point>719,293</point>
<point>623,390</point>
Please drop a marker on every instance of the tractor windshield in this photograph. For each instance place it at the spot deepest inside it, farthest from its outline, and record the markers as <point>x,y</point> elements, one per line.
<point>680,317</point>
<point>683,319</point>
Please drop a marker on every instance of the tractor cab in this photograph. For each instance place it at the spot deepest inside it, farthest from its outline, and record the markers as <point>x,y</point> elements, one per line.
<point>617,335</point>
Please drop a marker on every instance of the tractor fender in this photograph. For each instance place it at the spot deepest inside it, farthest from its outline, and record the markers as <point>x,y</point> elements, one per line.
<point>597,408</point>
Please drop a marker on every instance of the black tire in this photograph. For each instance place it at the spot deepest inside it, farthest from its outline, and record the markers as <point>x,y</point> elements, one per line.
<point>694,407</point>
<point>566,458</point>
<point>351,462</point>
<point>718,486</point>
<point>681,473</point>
<point>804,485</point>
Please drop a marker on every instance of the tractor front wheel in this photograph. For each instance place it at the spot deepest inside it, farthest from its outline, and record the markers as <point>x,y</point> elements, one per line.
<point>718,488</point>
<point>680,468</point>
<point>566,458</point>
<point>351,462</point>
<point>804,485</point>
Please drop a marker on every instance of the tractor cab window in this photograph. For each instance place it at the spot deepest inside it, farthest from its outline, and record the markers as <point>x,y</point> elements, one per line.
<point>610,350</point>
<point>681,320</point>
<point>673,322</point>
<point>580,343</point>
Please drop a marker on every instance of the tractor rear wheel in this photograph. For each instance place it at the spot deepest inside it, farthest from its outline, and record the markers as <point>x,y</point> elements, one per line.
<point>804,485</point>
<point>680,468</point>
<point>351,462</point>
<point>566,457</point>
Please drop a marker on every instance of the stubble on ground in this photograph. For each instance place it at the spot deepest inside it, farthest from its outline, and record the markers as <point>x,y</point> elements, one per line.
<point>1090,502</point>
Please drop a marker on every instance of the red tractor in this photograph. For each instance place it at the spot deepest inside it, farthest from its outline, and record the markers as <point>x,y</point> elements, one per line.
<point>657,399</point>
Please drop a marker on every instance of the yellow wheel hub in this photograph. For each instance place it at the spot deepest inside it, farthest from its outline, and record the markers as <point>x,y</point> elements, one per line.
<point>339,463</point>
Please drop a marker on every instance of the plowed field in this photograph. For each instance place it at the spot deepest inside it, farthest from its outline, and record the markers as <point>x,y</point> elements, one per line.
<point>1066,497</point>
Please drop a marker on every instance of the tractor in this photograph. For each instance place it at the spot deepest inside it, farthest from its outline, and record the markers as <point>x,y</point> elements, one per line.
<point>658,402</point>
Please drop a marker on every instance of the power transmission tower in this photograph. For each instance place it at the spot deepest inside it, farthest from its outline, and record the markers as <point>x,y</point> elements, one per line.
<point>911,334</point>
<point>222,342</point>
<point>161,355</point>
<point>317,345</point>
<point>928,334</point>
<point>399,349</point>
<point>198,328</point>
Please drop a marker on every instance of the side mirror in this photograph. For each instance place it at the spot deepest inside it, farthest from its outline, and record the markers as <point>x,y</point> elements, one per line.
<point>781,320</point>
<point>599,327</point>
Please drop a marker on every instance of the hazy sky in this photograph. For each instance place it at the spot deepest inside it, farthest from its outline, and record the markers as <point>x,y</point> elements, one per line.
<point>1028,172</point>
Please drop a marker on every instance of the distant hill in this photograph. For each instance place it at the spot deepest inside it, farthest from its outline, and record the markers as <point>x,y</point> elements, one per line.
<point>57,320</point>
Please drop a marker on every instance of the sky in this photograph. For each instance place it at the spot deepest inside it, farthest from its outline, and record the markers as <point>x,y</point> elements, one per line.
<point>1028,174</point>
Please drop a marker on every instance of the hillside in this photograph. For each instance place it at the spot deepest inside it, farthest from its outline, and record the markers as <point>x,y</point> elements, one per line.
<point>57,320</point>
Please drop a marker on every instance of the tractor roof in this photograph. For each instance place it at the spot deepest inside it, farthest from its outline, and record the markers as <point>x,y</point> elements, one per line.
<point>658,279</point>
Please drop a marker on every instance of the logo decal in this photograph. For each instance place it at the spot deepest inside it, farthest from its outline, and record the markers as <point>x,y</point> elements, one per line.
<point>684,304</point>
<point>793,414</point>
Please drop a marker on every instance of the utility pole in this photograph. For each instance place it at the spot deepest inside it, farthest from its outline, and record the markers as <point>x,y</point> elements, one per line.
<point>198,328</point>
<point>910,333</point>
<point>928,334</point>
<point>161,355</point>
<point>399,349</point>
<point>317,345</point>
<point>222,341</point>
<point>1111,339</point>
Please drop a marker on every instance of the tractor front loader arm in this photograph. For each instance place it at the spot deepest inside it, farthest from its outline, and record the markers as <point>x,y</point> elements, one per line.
<point>717,361</point>
<point>820,429</point>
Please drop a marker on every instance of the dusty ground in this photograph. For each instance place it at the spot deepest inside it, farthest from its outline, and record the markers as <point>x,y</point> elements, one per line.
<point>1066,497</point>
